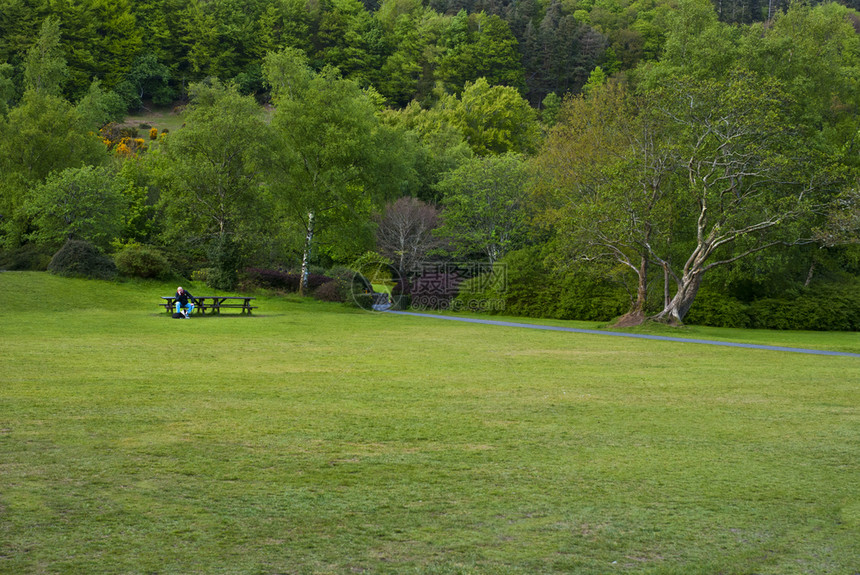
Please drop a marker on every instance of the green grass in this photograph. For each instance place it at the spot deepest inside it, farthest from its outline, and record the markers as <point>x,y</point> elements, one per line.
<point>160,118</point>
<point>314,438</point>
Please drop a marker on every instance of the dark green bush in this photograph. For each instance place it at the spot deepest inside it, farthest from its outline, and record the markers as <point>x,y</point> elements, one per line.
<point>825,308</point>
<point>584,296</point>
<point>715,309</point>
<point>363,300</point>
<point>29,257</point>
<point>832,307</point>
<point>224,254</point>
<point>142,262</point>
<point>82,259</point>
<point>533,291</point>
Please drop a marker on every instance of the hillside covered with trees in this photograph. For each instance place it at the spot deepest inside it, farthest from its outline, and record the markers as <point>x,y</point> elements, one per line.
<point>682,160</point>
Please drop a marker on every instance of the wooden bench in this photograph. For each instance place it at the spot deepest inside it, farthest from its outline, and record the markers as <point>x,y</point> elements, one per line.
<point>213,303</point>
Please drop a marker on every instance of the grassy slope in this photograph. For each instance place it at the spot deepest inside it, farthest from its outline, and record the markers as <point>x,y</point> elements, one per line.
<point>316,439</point>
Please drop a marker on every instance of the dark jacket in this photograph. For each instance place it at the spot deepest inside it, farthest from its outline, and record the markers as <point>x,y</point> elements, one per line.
<point>184,297</point>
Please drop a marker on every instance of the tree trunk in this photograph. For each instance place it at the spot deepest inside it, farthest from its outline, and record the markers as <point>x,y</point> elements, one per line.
<point>636,314</point>
<point>688,287</point>
<point>665,284</point>
<point>306,256</point>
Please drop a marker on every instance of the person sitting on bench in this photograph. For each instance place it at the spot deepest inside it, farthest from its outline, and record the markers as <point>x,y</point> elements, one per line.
<point>183,305</point>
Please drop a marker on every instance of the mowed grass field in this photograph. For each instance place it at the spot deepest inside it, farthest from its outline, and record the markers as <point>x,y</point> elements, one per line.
<point>316,439</point>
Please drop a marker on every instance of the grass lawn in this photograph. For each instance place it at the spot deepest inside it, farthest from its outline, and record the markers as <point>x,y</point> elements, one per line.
<point>313,438</point>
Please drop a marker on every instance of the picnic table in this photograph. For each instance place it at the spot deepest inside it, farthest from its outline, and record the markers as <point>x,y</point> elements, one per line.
<point>213,303</point>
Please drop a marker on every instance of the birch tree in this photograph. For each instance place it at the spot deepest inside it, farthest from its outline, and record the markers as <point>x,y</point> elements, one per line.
<point>334,161</point>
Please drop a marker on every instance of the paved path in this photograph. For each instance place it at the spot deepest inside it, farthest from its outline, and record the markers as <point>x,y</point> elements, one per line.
<point>634,335</point>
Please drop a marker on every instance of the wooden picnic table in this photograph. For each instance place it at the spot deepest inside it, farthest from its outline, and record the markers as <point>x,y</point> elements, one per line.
<point>213,303</point>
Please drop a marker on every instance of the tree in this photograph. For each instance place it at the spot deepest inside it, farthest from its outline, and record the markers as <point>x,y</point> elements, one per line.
<point>404,232</point>
<point>440,146</point>
<point>752,183</point>
<point>45,69</point>
<point>212,173</point>
<point>77,204</point>
<point>408,71</point>
<point>99,39</point>
<point>493,119</point>
<point>704,174</point>
<point>334,159</point>
<point>43,134</point>
<point>480,46</point>
<point>603,178</point>
<point>815,53</point>
<point>7,88</point>
<point>484,206</point>
<point>98,107</point>
<point>147,78</point>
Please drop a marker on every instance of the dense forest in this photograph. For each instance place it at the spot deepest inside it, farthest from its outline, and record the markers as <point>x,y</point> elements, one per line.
<point>680,160</point>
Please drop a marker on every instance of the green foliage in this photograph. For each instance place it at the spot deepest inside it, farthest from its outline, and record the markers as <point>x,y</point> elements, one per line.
<point>78,203</point>
<point>533,290</point>
<point>550,108</point>
<point>210,173</point>
<point>147,79</point>
<point>493,119</point>
<point>29,257</point>
<point>485,206</point>
<point>823,307</point>
<point>821,73</point>
<point>439,145</point>
<point>226,258</point>
<point>7,88</point>
<point>99,107</point>
<point>142,261</point>
<point>827,308</point>
<point>479,46</point>
<point>100,40</point>
<point>334,162</point>
<point>719,310</point>
<point>45,69</point>
<point>82,259</point>
<point>43,134</point>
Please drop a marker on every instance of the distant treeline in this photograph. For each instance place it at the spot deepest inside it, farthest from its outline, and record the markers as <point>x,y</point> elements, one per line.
<point>153,50</point>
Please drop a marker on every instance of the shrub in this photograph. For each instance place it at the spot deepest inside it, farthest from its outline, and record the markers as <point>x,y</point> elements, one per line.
<point>483,293</point>
<point>142,262</point>
<point>201,275</point>
<point>534,291</point>
<point>81,259</point>
<point>330,291</point>
<point>340,286</point>
<point>718,310</point>
<point>153,133</point>
<point>364,300</point>
<point>29,257</point>
<point>589,297</point>
<point>824,308</point>
<point>285,281</point>
<point>273,279</point>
